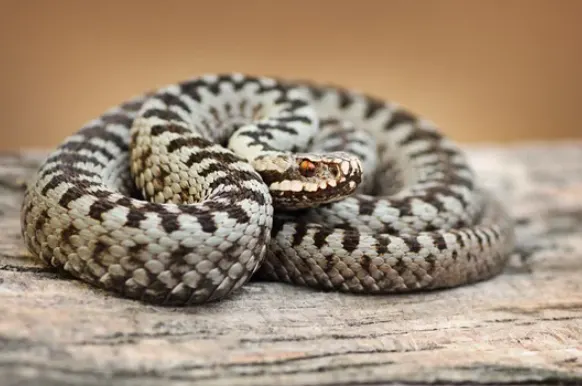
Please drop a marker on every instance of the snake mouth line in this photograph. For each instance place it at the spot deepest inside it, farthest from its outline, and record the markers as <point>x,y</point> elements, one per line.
<point>313,182</point>
<point>324,194</point>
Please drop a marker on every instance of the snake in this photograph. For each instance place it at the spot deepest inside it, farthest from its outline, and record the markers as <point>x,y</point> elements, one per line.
<point>182,194</point>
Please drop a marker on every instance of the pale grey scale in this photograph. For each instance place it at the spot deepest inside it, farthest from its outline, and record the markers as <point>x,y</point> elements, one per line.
<point>449,234</point>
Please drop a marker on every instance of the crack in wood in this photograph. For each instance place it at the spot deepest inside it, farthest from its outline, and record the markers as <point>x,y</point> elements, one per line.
<point>16,268</point>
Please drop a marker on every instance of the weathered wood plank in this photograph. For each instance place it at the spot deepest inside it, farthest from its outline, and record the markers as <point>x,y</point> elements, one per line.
<point>524,326</point>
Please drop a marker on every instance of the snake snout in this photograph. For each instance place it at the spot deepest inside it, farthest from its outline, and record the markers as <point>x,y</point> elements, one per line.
<point>312,180</point>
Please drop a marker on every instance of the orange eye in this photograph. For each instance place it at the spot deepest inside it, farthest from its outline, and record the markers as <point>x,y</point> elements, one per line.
<point>307,168</point>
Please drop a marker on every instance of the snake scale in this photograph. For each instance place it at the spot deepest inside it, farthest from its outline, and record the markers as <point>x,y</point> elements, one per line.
<point>182,194</point>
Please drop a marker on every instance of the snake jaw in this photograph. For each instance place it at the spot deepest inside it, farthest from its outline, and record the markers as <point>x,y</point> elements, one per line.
<point>308,180</point>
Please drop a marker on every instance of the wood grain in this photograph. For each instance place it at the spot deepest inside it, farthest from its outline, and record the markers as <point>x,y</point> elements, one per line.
<point>524,326</point>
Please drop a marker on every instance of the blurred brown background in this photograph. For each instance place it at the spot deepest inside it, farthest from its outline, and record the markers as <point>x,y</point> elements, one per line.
<point>498,70</point>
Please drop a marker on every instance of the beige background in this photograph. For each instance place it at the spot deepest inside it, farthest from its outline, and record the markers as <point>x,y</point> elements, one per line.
<point>497,70</point>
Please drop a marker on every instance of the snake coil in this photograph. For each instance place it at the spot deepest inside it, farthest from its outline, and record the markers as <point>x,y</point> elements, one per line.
<point>180,195</point>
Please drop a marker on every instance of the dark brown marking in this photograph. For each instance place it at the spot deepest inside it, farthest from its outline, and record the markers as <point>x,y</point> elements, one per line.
<point>41,220</point>
<point>319,239</point>
<point>99,207</point>
<point>133,105</point>
<point>242,106</point>
<point>117,119</point>
<point>214,112</point>
<point>365,262</point>
<point>173,100</point>
<point>400,117</point>
<point>294,118</point>
<point>382,242</point>
<point>214,87</point>
<point>53,183</point>
<point>373,106</point>
<point>191,89</point>
<point>203,216</point>
<point>75,192</point>
<point>439,241</point>
<point>345,99</point>
<point>421,135</point>
<point>233,210</point>
<point>300,232</point>
<point>351,239</point>
<point>191,142</point>
<point>100,132</point>
<point>292,105</point>
<point>100,247</point>
<point>199,156</point>
<point>167,115</point>
<point>157,130</point>
<point>85,145</point>
<point>170,222</point>
<point>73,158</point>
<point>70,170</point>
<point>366,207</point>
<point>134,218</point>
<point>67,233</point>
<point>228,109</point>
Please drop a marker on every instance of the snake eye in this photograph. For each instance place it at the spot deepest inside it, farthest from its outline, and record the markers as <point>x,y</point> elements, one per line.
<point>307,168</point>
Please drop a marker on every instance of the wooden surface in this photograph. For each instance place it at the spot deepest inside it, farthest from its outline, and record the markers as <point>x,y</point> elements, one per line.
<point>524,326</point>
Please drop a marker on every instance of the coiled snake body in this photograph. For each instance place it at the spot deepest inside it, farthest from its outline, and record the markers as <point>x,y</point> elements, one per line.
<point>180,195</point>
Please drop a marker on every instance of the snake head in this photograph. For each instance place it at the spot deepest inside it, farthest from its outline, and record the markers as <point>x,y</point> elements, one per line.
<point>298,181</point>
